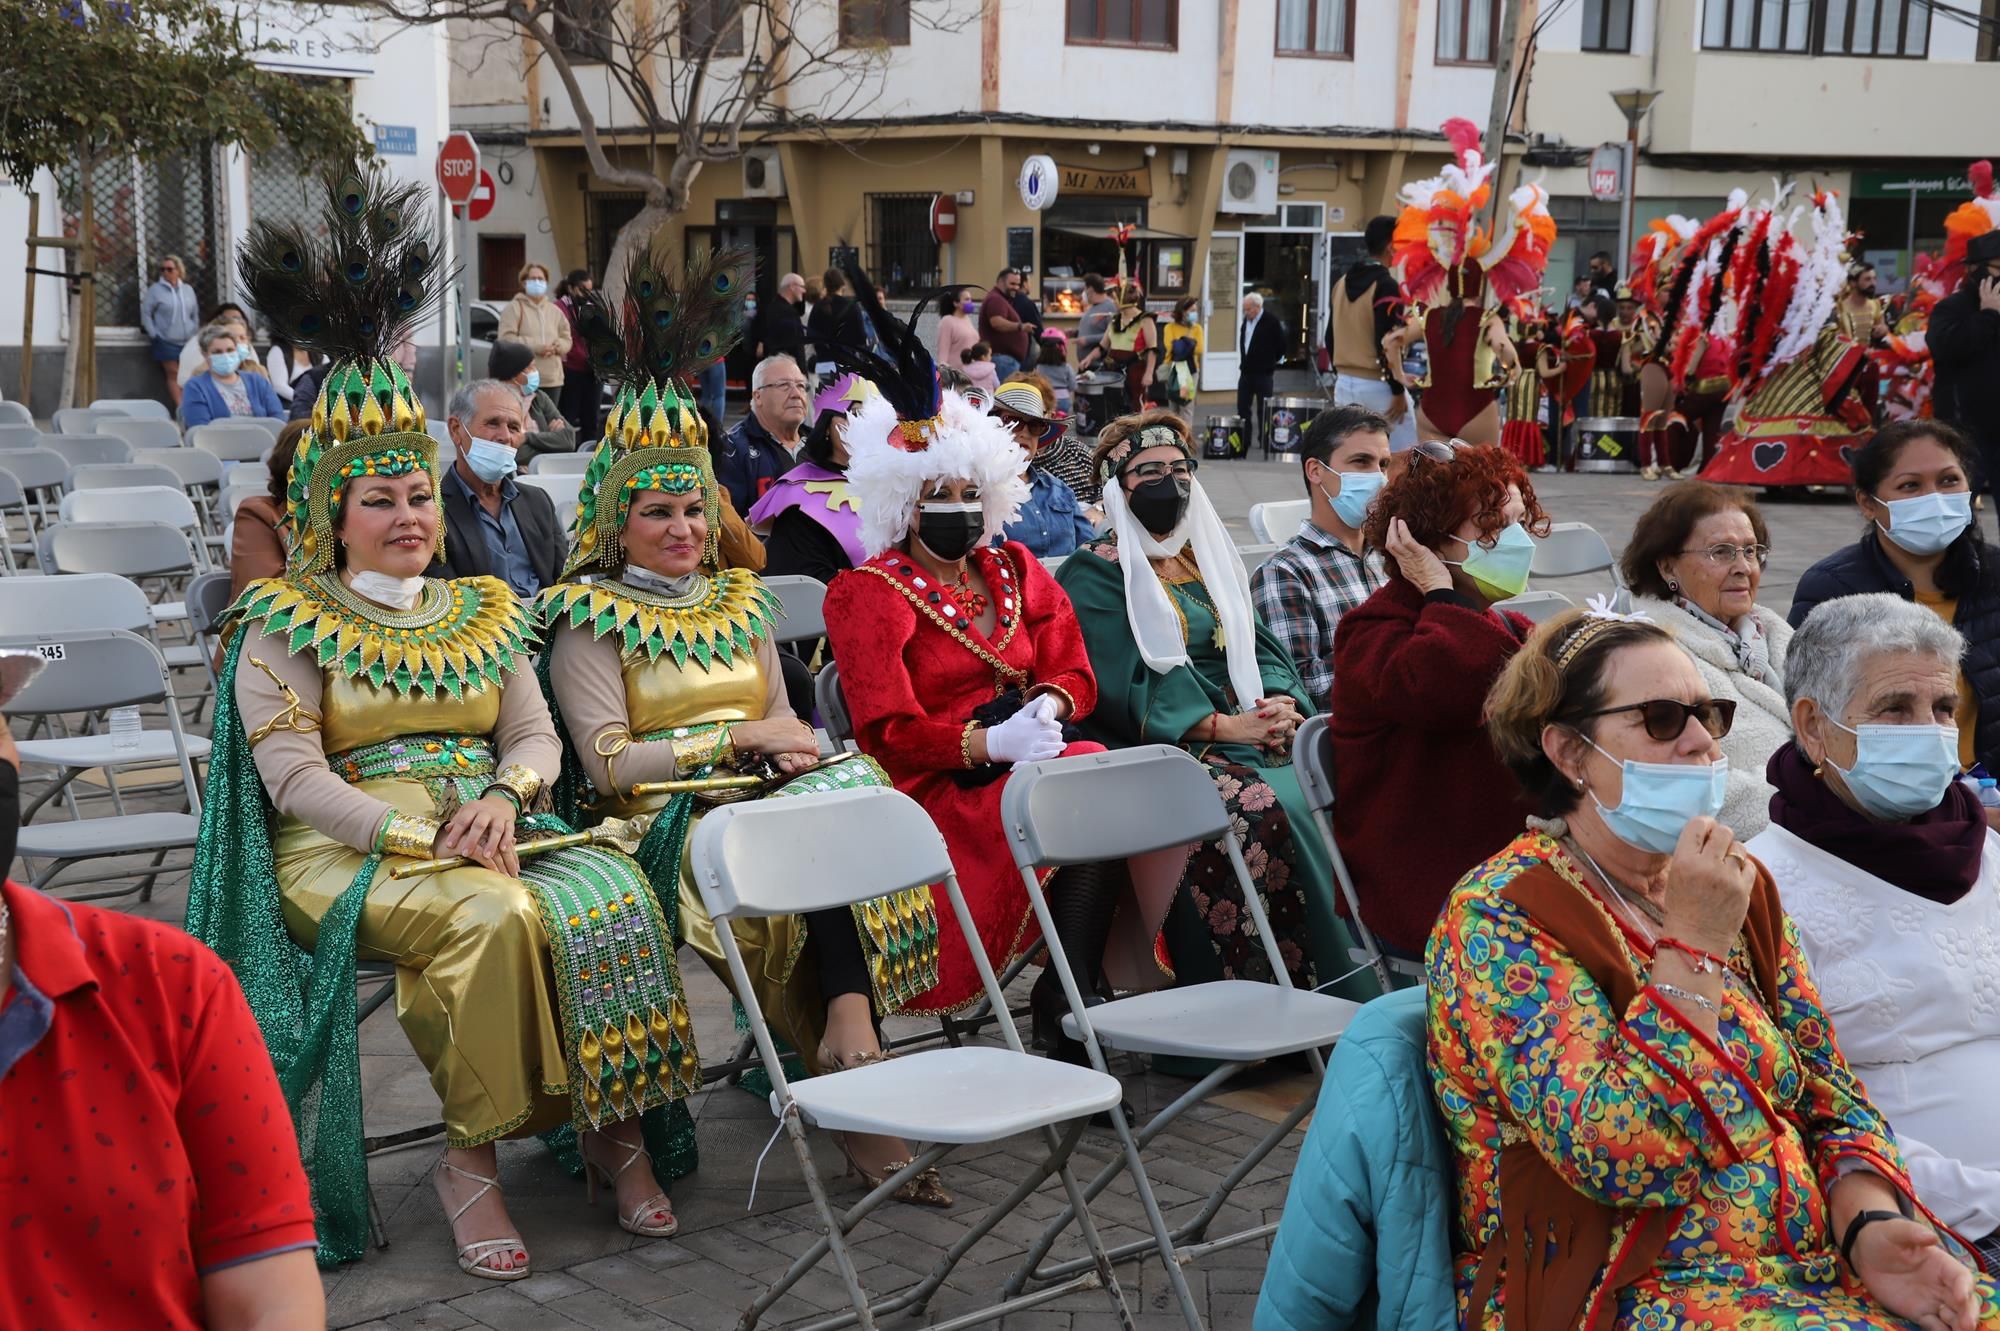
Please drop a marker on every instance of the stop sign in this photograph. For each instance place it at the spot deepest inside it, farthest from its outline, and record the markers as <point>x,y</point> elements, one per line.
<point>944,219</point>
<point>458,166</point>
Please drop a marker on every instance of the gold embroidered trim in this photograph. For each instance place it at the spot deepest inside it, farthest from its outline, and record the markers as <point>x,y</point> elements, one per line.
<point>704,748</point>
<point>408,834</point>
<point>296,716</point>
<point>958,636</point>
<point>965,744</point>
<point>520,781</point>
<point>724,618</point>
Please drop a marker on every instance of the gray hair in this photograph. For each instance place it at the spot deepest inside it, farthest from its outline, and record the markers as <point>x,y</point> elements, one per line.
<point>1253,298</point>
<point>765,366</point>
<point>1825,658</point>
<point>210,332</point>
<point>466,400</point>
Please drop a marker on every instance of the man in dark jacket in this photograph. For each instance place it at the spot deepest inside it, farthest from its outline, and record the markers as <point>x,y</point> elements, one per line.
<point>836,320</point>
<point>1260,345</point>
<point>1964,341</point>
<point>493,527</point>
<point>780,329</point>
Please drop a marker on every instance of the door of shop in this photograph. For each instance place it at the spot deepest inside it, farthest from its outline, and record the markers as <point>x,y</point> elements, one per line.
<point>1285,259</point>
<point>1222,290</point>
<point>753,225</point>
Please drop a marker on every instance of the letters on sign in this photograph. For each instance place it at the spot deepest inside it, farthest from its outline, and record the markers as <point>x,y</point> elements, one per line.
<point>1131,181</point>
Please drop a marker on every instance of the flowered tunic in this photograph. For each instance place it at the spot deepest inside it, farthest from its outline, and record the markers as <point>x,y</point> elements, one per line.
<point>1638,1111</point>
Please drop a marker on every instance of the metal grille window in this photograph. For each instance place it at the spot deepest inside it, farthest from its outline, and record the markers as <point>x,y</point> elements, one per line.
<point>717,21</point>
<point>902,254</point>
<point>145,211</point>
<point>1315,27</point>
<point>1467,32</point>
<point>583,29</point>
<point>1783,26</point>
<point>1125,22</point>
<point>874,22</point>
<point>1877,27</point>
<point>1607,25</point>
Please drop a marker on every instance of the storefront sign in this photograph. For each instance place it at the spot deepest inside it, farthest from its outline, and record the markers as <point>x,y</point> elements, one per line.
<point>1898,184</point>
<point>1039,182</point>
<point>1607,172</point>
<point>326,40</point>
<point>1126,181</point>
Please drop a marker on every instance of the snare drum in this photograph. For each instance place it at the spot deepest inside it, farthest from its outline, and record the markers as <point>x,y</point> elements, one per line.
<point>1100,400</point>
<point>1227,438</point>
<point>1606,444</point>
<point>1289,418</point>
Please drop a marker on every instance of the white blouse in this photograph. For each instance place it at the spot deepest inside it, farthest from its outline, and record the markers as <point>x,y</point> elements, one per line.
<point>1913,989</point>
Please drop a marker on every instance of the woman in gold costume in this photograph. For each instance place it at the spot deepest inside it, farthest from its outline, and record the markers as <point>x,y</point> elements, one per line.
<point>662,668</point>
<point>372,721</point>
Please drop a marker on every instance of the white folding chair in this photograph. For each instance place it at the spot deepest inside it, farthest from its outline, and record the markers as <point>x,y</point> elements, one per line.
<point>1276,521</point>
<point>820,851</point>
<point>165,502</point>
<point>1112,806</point>
<point>556,487</point>
<point>1254,555</point>
<point>89,450</point>
<point>1536,605</point>
<point>804,602</point>
<point>832,707</point>
<point>135,550</point>
<point>13,501</point>
<point>563,464</point>
<point>435,427</point>
<point>84,420</point>
<point>1576,549</point>
<point>94,671</point>
<point>14,435</point>
<point>198,473</point>
<point>232,440</point>
<point>15,413</point>
<point>1312,756</point>
<point>122,476</point>
<point>144,432</point>
<point>41,474</point>
<point>271,426</point>
<point>139,408</point>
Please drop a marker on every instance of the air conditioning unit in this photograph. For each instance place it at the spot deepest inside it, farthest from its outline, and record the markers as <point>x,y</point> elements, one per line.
<point>1250,181</point>
<point>763,174</point>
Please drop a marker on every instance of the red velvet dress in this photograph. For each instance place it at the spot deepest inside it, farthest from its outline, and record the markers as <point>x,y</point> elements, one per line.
<point>913,666</point>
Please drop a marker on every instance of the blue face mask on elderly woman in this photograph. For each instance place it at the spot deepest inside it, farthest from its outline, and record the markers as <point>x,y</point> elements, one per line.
<point>1501,569</point>
<point>1900,771</point>
<point>1657,801</point>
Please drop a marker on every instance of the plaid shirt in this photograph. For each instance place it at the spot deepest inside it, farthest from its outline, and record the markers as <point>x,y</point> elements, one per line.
<point>1302,591</point>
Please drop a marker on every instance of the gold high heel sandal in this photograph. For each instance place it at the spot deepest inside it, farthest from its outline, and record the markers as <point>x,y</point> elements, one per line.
<point>472,1257</point>
<point>927,1188</point>
<point>657,1202</point>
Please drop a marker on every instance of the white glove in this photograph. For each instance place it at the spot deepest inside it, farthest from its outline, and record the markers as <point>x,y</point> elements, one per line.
<point>1028,736</point>
<point>1043,706</point>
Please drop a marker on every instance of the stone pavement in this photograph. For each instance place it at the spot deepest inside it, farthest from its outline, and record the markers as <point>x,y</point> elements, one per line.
<point>589,1274</point>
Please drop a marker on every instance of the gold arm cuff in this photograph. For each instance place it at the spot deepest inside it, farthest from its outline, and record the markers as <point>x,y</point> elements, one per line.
<point>519,781</point>
<point>965,744</point>
<point>408,834</point>
<point>697,753</point>
<point>294,716</point>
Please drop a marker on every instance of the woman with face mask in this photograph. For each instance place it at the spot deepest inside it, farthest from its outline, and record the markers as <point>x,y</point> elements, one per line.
<point>1181,658</point>
<point>1629,1047</point>
<point>1410,666</point>
<point>536,318</point>
<point>1868,825</point>
<point>960,657</point>
<point>225,388</point>
<point>958,327</point>
<point>1913,484</point>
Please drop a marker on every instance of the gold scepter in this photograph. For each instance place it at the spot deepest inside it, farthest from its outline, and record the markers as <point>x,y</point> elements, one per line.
<point>694,785</point>
<point>620,833</point>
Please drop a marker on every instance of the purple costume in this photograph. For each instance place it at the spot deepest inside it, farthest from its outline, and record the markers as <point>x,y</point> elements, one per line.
<point>822,495</point>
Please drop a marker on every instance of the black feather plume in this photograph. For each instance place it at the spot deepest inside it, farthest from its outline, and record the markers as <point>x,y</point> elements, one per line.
<point>907,376</point>
<point>679,319</point>
<point>356,292</point>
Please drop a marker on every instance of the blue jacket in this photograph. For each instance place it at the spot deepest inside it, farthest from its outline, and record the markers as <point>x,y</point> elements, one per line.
<point>202,401</point>
<point>1365,1239</point>
<point>747,460</point>
<point>1051,523</point>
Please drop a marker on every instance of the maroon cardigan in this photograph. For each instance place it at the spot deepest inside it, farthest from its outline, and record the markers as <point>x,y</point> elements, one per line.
<point>1420,796</point>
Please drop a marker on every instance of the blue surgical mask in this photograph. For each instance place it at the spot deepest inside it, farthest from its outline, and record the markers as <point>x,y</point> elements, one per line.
<point>1900,771</point>
<point>1357,490</point>
<point>1657,801</point>
<point>535,286</point>
<point>532,383</point>
<point>1501,570</point>
<point>224,362</point>
<point>490,461</point>
<point>1926,524</point>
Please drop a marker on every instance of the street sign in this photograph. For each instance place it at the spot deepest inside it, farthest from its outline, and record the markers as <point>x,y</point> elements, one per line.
<point>482,198</point>
<point>944,219</point>
<point>1607,172</point>
<point>458,166</point>
<point>396,140</point>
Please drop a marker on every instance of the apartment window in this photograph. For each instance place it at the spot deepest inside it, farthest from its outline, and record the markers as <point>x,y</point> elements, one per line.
<point>1877,27</point>
<point>902,253</point>
<point>1607,25</point>
<point>1468,30</point>
<point>874,22</point>
<point>1316,27</point>
<point>1125,22</point>
<point>583,30</point>
<point>1783,26</point>
<point>717,22</point>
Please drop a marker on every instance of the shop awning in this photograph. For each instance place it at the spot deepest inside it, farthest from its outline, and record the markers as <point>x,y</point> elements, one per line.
<point>1104,233</point>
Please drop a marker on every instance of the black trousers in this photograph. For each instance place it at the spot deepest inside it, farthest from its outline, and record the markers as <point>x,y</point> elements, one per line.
<point>577,401</point>
<point>1253,395</point>
<point>1988,444</point>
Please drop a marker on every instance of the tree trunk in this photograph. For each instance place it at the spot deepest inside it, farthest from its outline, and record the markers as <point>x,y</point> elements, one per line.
<point>632,237</point>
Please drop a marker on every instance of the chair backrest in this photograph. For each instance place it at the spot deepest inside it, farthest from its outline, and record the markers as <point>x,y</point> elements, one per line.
<point>1536,605</point>
<point>166,503</point>
<point>85,450</point>
<point>84,420</point>
<point>1254,555</point>
<point>804,600</point>
<point>139,408</point>
<point>566,510</point>
<point>97,668</point>
<point>122,476</point>
<point>35,468</point>
<point>1572,549</point>
<point>15,413</point>
<point>12,495</point>
<point>130,549</point>
<point>832,706</point>
<point>435,427</point>
<point>1312,759</point>
<point>1055,812</point>
<point>190,466</point>
<point>783,857</point>
<point>557,487</point>
<point>566,464</point>
<point>271,426</point>
<point>1276,521</point>
<point>232,441</point>
<point>144,431</point>
<point>207,597</point>
<point>35,603</point>
<point>16,435</point>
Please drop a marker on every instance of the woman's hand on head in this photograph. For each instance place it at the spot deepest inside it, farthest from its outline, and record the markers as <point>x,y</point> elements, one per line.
<point>483,832</point>
<point>1907,1270</point>
<point>1419,564</point>
<point>1708,887</point>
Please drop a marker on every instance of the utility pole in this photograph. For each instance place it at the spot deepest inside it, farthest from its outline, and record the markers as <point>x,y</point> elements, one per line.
<point>1503,105</point>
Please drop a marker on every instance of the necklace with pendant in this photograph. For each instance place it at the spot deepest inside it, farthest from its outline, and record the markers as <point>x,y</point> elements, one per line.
<point>1636,908</point>
<point>975,603</point>
<point>1221,639</point>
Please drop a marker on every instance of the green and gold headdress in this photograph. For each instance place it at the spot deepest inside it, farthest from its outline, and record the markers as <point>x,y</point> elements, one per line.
<point>654,438</point>
<point>349,295</point>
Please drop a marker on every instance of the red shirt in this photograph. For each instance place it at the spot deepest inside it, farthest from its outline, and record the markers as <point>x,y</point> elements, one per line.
<point>143,1138</point>
<point>1013,342</point>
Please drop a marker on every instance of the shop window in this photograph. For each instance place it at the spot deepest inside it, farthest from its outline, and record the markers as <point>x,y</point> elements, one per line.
<point>902,253</point>
<point>1316,27</point>
<point>144,211</point>
<point>583,30</point>
<point>500,260</point>
<point>1877,27</point>
<point>712,22</point>
<point>1607,25</point>
<point>1125,22</point>
<point>1780,26</point>
<point>1467,32</point>
<point>874,22</point>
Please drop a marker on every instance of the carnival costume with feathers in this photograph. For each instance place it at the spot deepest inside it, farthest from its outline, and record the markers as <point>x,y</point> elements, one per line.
<point>691,656</point>
<point>377,712</point>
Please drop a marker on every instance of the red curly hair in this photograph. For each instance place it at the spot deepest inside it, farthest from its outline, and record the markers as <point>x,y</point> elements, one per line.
<point>1435,498</point>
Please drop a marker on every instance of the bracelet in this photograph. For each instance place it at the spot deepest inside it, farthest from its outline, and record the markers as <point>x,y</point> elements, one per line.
<point>1704,963</point>
<point>1861,1221</point>
<point>1680,995</point>
<point>408,834</point>
<point>965,744</point>
<point>518,782</point>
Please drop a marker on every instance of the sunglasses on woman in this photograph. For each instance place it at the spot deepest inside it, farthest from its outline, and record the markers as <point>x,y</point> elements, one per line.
<point>1666,718</point>
<point>1439,450</point>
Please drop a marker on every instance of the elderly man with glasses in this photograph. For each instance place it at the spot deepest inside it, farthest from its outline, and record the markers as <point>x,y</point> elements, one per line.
<point>769,441</point>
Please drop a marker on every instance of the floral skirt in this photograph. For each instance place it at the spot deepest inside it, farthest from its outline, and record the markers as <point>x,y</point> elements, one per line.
<point>1211,934</point>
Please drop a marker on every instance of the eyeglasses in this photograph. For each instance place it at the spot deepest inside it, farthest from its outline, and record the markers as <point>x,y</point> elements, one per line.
<point>1153,471</point>
<point>1439,450</point>
<point>1666,718</point>
<point>786,386</point>
<point>1724,555</point>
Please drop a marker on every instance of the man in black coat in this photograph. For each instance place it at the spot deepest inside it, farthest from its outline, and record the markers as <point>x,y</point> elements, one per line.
<point>780,328</point>
<point>1260,345</point>
<point>1964,342</point>
<point>492,526</point>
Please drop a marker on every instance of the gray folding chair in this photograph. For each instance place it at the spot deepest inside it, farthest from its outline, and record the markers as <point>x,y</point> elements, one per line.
<point>780,857</point>
<point>133,550</point>
<point>139,408</point>
<point>207,597</point>
<point>41,474</point>
<point>165,502</point>
<point>95,671</point>
<point>198,473</point>
<point>85,420</point>
<point>144,431</point>
<point>1577,549</point>
<point>1536,605</point>
<point>232,440</point>
<point>1276,521</point>
<point>13,502</point>
<point>122,476</point>
<point>15,413</point>
<point>558,486</point>
<point>1312,756</point>
<point>833,707</point>
<point>559,464</point>
<point>1112,806</point>
<point>89,450</point>
<point>14,435</point>
<point>804,601</point>
<point>271,426</point>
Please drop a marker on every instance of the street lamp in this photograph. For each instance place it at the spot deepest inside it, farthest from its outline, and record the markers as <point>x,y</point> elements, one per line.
<point>1633,103</point>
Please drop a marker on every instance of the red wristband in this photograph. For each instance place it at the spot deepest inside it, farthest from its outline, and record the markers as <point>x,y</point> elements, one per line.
<point>1705,963</point>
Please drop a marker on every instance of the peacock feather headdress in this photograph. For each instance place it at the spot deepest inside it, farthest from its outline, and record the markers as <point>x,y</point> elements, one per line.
<point>349,295</point>
<point>678,319</point>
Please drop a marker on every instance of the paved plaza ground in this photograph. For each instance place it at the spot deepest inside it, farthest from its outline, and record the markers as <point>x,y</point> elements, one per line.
<point>590,1274</point>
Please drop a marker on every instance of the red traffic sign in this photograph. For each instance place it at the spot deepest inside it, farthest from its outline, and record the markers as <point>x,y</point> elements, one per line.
<point>1607,172</point>
<point>482,198</point>
<point>458,166</point>
<point>944,219</point>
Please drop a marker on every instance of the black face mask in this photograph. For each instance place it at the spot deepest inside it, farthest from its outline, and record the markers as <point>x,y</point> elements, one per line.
<point>10,814</point>
<point>950,531</point>
<point>1160,504</point>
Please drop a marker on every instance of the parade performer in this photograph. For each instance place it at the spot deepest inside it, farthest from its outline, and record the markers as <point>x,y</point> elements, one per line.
<point>809,518</point>
<point>1793,375</point>
<point>958,659</point>
<point>1663,447</point>
<point>1447,265</point>
<point>379,759</point>
<point>1522,432</point>
<point>661,668</point>
<point>1131,342</point>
